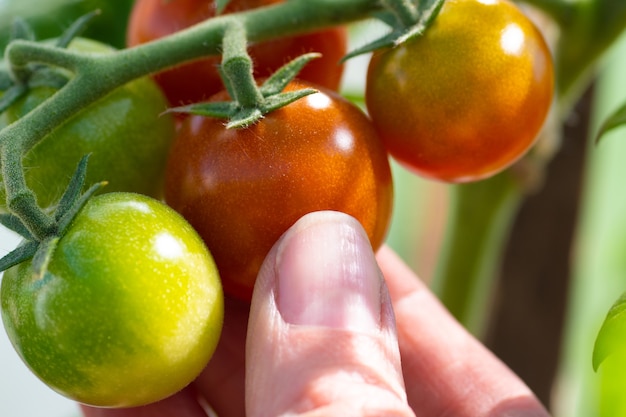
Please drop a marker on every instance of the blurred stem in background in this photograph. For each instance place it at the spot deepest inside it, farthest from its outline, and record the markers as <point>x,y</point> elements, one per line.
<point>599,262</point>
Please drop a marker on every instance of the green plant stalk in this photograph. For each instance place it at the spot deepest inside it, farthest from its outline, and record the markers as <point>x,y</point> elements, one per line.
<point>598,262</point>
<point>480,216</point>
<point>238,69</point>
<point>97,75</point>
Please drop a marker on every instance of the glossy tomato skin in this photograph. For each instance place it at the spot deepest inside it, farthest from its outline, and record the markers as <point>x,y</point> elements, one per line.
<point>466,99</point>
<point>242,189</point>
<point>124,132</point>
<point>130,311</point>
<point>197,81</point>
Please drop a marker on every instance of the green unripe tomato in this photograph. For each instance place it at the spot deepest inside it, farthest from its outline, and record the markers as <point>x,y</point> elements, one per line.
<point>124,132</point>
<point>130,311</point>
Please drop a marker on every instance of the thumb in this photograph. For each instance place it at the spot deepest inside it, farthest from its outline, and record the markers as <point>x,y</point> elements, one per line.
<point>321,337</point>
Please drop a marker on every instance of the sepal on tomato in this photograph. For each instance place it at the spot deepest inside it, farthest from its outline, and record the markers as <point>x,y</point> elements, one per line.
<point>404,25</point>
<point>270,92</point>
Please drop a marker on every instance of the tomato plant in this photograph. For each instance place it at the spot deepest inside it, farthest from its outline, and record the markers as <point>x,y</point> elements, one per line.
<point>123,131</point>
<point>197,81</point>
<point>242,188</point>
<point>466,99</point>
<point>129,311</point>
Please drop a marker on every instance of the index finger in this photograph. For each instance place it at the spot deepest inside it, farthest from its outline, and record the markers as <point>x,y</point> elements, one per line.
<point>446,370</point>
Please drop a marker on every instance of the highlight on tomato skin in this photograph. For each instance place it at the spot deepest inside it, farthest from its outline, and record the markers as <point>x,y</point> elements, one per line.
<point>466,99</point>
<point>197,81</point>
<point>241,189</point>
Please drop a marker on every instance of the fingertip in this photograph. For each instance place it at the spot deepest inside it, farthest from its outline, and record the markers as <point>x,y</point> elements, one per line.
<point>321,327</point>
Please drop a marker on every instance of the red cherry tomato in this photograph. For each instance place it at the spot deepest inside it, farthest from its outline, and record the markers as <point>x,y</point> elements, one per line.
<point>466,99</point>
<point>241,189</point>
<point>197,81</point>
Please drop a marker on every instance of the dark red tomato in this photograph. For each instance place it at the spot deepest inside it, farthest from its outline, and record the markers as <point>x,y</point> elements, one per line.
<point>241,189</point>
<point>197,81</point>
<point>466,99</point>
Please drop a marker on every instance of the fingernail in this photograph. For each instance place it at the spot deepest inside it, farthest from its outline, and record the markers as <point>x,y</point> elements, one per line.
<point>327,274</point>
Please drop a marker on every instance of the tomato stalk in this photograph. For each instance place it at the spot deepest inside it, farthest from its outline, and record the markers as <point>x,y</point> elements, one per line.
<point>237,67</point>
<point>20,199</point>
<point>481,214</point>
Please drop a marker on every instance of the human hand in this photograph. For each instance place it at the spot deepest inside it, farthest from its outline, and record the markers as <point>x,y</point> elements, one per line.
<point>322,341</point>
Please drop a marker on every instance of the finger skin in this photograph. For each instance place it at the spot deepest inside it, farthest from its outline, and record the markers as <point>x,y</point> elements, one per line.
<point>447,372</point>
<point>322,364</point>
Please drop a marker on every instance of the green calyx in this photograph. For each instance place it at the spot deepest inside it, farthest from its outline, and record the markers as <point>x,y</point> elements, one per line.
<point>249,102</point>
<point>41,248</point>
<point>406,18</point>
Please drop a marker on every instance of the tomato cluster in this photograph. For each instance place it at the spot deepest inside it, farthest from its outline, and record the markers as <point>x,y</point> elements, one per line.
<point>131,284</point>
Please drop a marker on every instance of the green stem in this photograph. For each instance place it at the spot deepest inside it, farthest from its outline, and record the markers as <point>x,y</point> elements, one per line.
<point>20,199</point>
<point>237,67</point>
<point>479,220</point>
<point>404,10</point>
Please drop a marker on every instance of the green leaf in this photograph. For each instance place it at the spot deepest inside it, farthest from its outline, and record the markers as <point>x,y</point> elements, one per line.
<point>13,223</point>
<point>74,188</point>
<point>283,76</point>
<point>615,120</point>
<point>76,29</point>
<point>611,338</point>
<point>20,254</point>
<point>386,41</point>
<point>21,30</point>
<point>43,256</point>
<point>387,17</point>
<point>217,109</point>
<point>78,204</point>
<point>427,11</point>
<point>5,80</point>
<point>277,101</point>
<point>244,118</point>
<point>11,95</point>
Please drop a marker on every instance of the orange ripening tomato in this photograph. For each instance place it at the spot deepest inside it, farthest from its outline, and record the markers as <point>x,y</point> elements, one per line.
<point>241,189</point>
<point>467,98</point>
<point>198,80</point>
